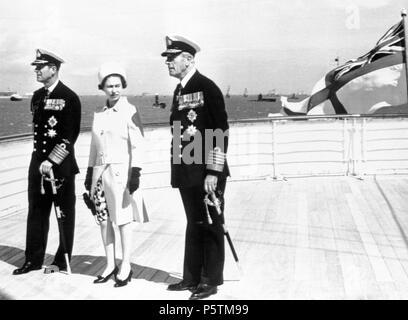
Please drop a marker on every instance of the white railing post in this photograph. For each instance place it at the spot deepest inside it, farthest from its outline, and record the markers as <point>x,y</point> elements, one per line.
<point>346,149</point>
<point>274,149</point>
<point>363,147</point>
<point>353,146</point>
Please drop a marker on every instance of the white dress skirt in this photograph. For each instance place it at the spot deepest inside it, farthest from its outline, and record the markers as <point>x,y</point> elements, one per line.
<point>122,206</point>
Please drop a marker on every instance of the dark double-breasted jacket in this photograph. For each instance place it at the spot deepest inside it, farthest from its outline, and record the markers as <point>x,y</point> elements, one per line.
<point>56,125</point>
<point>199,126</point>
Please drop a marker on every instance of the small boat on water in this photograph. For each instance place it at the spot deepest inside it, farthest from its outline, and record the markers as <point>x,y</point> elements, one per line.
<point>158,104</point>
<point>227,95</point>
<point>16,97</point>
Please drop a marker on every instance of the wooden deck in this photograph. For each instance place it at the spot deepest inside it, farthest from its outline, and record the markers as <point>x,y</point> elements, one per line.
<point>305,238</point>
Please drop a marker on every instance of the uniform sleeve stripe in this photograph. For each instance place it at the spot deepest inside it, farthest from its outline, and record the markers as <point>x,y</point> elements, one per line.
<point>216,160</point>
<point>58,154</point>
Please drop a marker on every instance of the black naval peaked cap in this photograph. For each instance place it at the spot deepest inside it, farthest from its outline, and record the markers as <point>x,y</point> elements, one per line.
<point>177,44</point>
<point>44,57</point>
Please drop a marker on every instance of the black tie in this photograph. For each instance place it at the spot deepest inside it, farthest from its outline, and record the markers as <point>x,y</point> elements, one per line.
<point>178,89</point>
<point>47,94</point>
<point>177,93</point>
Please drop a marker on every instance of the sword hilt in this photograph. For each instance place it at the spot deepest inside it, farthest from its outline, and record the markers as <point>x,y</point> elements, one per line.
<point>52,180</point>
<point>216,203</point>
<point>207,211</point>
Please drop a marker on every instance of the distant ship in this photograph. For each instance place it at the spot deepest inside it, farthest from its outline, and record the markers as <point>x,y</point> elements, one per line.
<point>273,96</point>
<point>270,96</point>
<point>16,97</point>
<point>12,95</point>
<point>246,92</point>
<point>227,95</point>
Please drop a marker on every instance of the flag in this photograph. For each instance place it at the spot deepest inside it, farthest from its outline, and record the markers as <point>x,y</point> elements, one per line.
<point>374,81</point>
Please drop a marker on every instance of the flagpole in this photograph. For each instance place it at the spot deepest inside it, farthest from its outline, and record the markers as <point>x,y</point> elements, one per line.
<point>405,24</point>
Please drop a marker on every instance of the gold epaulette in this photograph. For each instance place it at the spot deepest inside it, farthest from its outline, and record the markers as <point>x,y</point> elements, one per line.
<point>59,153</point>
<point>216,160</point>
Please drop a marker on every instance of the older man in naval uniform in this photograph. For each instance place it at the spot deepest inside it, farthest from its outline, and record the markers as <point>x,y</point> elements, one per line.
<point>198,168</point>
<point>56,113</point>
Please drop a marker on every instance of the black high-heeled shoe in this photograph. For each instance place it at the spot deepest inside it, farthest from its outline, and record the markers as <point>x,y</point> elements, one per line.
<point>121,283</point>
<point>101,279</point>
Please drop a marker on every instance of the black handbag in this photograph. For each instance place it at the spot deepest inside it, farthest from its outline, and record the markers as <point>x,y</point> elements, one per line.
<point>89,203</point>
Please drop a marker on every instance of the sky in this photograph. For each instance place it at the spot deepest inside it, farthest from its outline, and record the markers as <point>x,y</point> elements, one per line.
<point>261,45</point>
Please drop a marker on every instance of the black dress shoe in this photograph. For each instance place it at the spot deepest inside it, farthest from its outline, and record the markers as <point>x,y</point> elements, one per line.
<point>101,279</point>
<point>181,286</point>
<point>27,267</point>
<point>121,283</point>
<point>203,291</point>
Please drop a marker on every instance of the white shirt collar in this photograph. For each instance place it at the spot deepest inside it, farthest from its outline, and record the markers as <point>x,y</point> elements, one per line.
<point>51,88</point>
<point>188,77</point>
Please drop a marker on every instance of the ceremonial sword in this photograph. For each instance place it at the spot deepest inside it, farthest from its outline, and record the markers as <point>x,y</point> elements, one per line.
<point>59,216</point>
<point>215,202</point>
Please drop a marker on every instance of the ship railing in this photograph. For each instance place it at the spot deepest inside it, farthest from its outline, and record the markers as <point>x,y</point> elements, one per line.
<point>269,148</point>
<point>353,145</point>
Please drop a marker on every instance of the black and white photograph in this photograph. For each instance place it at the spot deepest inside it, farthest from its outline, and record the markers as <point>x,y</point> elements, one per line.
<point>221,151</point>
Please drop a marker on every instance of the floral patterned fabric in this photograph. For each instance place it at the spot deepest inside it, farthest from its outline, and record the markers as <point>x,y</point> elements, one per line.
<point>102,212</point>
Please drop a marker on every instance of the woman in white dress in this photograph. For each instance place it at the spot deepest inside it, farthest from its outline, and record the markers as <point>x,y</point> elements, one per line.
<point>113,174</point>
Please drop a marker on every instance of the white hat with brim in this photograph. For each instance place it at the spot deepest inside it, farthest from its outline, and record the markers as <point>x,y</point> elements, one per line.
<point>110,68</point>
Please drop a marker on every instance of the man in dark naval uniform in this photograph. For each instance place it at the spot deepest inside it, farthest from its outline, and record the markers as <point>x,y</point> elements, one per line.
<point>198,168</point>
<point>56,113</point>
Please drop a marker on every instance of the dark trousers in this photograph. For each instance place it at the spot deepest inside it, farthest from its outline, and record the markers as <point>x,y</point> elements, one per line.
<point>204,253</point>
<point>39,209</point>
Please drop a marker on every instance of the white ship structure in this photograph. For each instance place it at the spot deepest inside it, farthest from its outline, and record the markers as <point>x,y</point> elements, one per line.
<point>315,205</point>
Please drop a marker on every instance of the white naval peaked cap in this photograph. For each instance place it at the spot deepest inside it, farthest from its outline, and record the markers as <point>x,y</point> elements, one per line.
<point>109,68</point>
<point>177,44</point>
<point>43,57</point>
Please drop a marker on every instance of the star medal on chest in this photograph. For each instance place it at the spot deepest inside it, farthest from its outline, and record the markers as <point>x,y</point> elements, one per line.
<point>52,122</point>
<point>192,115</point>
<point>191,130</point>
<point>52,133</point>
